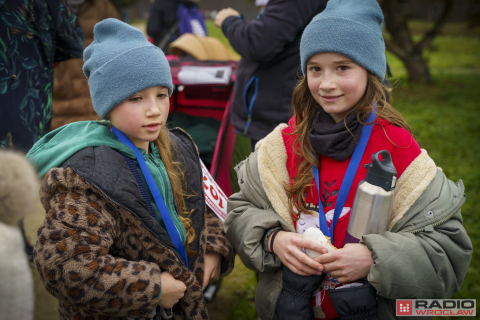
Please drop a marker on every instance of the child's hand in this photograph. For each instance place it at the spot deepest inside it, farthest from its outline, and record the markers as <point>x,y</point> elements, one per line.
<point>224,14</point>
<point>350,263</point>
<point>172,290</point>
<point>288,247</point>
<point>212,268</point>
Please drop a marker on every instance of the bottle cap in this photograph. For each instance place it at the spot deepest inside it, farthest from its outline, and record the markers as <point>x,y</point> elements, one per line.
<point>381,173</point>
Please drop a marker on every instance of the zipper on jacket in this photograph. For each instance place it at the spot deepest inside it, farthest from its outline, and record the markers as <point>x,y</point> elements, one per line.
<point>141,221</point>
<point>254,184</point>
<point>436,224</point>
<point>249,107</point>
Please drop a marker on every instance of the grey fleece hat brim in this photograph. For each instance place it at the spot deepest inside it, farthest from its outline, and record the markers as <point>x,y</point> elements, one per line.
<point>141,68</point>
<point>351,28</point>
<point>121,62</point>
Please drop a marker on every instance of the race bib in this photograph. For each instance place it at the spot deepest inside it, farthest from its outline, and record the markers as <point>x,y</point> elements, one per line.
<point>214,196</point>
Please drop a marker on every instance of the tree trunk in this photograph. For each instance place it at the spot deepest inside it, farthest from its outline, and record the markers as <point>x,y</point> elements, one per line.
<point>401,43</point>
<point>417,68</point>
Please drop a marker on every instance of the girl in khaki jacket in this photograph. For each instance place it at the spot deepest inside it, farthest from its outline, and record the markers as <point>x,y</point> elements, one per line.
<point>339,103</point>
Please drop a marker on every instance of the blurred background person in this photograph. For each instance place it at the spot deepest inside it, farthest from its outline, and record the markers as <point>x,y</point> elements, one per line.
<point>71,96</point>
<point>34,35</point>
<point>169,19</point>
<point>261,3</point>
<point>269,67</point>
<point>18,195</point>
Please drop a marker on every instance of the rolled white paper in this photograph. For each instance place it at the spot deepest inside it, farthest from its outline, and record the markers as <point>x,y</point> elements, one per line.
<point>317,236</point>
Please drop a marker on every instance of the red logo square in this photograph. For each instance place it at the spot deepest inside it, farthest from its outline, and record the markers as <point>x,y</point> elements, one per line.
<point>404,307</point>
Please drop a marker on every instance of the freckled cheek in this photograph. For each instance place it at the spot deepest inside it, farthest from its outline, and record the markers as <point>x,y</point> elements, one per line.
<point>313,85</point>
<point>351,87</point>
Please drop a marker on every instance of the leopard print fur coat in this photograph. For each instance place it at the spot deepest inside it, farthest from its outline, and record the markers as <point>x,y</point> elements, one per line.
<point>100,252</point>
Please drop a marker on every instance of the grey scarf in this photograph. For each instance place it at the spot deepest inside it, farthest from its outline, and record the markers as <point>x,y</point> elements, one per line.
<point>333,139</point>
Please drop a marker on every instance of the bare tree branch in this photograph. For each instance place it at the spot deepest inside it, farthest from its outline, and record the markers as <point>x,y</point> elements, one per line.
<point>430,35</point>
<point>396,50</point>
<point>397,24</point>
<point>401,42</point>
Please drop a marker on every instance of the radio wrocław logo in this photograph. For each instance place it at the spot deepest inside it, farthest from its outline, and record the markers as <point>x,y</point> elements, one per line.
<point>436,307</point>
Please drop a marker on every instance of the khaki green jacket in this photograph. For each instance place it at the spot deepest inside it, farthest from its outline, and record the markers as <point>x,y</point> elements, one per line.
<point>425,254</point>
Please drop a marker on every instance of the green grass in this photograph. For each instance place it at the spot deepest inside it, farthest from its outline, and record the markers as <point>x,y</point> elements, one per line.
<point>236,298</point>
<point>454,29</point>
<point>454,50</point>
<point>445,117</point>
<point>445,54</point>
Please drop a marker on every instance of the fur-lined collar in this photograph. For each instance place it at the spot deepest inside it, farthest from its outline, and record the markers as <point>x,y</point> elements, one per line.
<point>272,167</point>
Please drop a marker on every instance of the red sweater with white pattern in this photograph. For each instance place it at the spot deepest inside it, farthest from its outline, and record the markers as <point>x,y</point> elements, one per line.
<point>385,136</point>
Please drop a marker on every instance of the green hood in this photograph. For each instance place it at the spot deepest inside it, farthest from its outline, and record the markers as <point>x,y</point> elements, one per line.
<point>59,145</point>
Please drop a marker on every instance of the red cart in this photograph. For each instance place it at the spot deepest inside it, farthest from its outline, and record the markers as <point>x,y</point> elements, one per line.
<point>210,99</point>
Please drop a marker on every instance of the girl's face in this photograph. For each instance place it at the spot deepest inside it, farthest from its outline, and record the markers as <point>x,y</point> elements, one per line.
<point>336,82</point>
<point>142,116</point>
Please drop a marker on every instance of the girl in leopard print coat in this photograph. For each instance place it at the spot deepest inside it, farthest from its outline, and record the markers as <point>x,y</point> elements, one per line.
<point>103,249</point>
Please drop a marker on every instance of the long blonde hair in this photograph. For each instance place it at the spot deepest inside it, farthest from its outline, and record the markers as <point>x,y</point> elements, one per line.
<point>305,108</point>
<point>174,168</point>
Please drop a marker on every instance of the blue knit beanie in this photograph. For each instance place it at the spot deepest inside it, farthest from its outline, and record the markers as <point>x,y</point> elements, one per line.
<point>121,62</point>
<point>351,28</point>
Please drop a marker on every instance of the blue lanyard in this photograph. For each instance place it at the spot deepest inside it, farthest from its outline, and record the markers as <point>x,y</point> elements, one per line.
<point>347,180</point>
<point>167,219</point>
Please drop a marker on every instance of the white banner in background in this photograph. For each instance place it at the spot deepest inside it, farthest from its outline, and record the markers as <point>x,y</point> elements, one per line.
<point>205,75</point>
<point>214,196</point>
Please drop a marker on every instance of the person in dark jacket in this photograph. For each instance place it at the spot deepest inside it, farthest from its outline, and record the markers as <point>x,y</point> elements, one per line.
<point>163,18</point>
<point>267,73</point>
<point>34,35</point>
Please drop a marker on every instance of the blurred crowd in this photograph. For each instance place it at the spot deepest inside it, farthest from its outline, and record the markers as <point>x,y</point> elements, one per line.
<point>44,87</point>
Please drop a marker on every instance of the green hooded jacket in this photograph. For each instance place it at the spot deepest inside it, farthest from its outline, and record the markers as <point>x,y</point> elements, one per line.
<point>59,145</point>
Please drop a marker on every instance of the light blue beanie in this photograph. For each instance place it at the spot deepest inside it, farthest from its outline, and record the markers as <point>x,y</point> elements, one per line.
<point>351,28</point>
<point>121,62</point>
